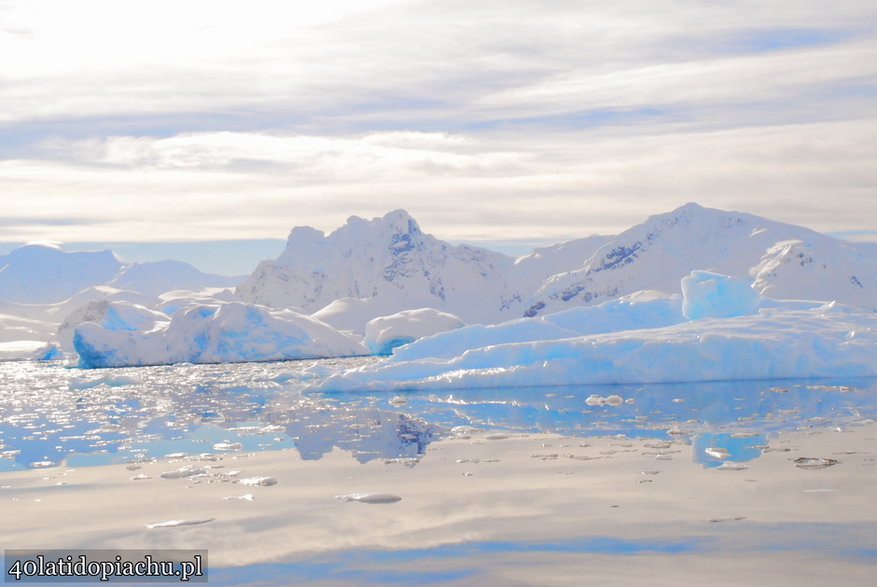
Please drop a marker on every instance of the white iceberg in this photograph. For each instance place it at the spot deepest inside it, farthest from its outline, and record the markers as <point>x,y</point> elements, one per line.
<point>781,340</point>
<point>640,310</point>
<point>385,333</point>
<point>711,295</point>
<point>219,333</point>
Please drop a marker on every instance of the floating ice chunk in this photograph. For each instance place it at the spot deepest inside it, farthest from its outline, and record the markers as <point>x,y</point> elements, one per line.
<point>717,452</point>
<point>42,464</point>
<point>369,497</point>
<point>814,463</point>
<point>175,523</point>
<point>108,380</point>
<point>271,428</point>
<point>258,481</point>
<point>228,446</point>
<point>727,519</point>
<point>244,497</point>
<point>183,472</point>
<point>594,400</point>
<point>731,466</point>
<point>140,477</point>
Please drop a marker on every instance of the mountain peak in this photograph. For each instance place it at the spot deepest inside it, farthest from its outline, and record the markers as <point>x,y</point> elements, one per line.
<point>387,257</point>
<point>395,222</point>
<point>657,253</point>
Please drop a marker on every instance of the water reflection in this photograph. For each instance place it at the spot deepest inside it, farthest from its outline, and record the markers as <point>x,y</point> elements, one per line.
<point>50,415</point>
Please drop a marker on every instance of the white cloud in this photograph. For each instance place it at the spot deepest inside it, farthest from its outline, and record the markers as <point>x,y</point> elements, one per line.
<point>562,185</point>
<point>474,60</point>
<point>507,120</point>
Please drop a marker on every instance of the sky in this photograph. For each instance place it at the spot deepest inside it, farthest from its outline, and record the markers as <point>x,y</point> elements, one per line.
<point>164,126</point>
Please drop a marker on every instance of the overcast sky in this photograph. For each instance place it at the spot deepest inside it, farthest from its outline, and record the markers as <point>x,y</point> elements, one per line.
<point>491,121</point>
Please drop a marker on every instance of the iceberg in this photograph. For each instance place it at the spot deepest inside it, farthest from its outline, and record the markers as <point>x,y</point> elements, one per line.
<point>711,295</point>
<point>827,341</point>
<point>640,310</point>
<point>385,333</point>
<point>202,333</point>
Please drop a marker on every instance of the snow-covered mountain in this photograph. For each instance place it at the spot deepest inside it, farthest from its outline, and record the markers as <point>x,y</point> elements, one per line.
<point>785,261</point>
<point>157,277</point>
<point>372,268</point>
<point>39,274</point>
<point>533,269</point>
<point>390,261</point>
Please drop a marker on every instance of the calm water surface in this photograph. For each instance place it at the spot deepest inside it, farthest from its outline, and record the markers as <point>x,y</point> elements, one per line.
<point>50,415</point>
<point>53,415</point>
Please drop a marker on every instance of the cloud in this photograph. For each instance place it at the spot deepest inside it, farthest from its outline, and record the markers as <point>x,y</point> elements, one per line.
<point>450,61</point>
<point>560,185</point>
<point>491,120</point>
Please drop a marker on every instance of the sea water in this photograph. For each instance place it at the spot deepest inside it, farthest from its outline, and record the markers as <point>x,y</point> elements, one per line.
<point>178,422</point>
<point>51,415</point>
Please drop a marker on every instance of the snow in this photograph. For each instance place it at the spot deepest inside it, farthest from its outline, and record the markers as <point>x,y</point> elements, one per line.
<point>352,314</point>
<point>533,269</point>
<point>130,335</point>
<point>830,340</point>
<point>829,270</point>
<point>385,333</point>
<point>711,295</point>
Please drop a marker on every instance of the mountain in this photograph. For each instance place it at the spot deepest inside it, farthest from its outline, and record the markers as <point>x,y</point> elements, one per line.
<point>157,277</point>
<point>38,274</point>
<point>533,269</point>
<point>390,261</point>
<point>785,261</point>
<point>382,266</point>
